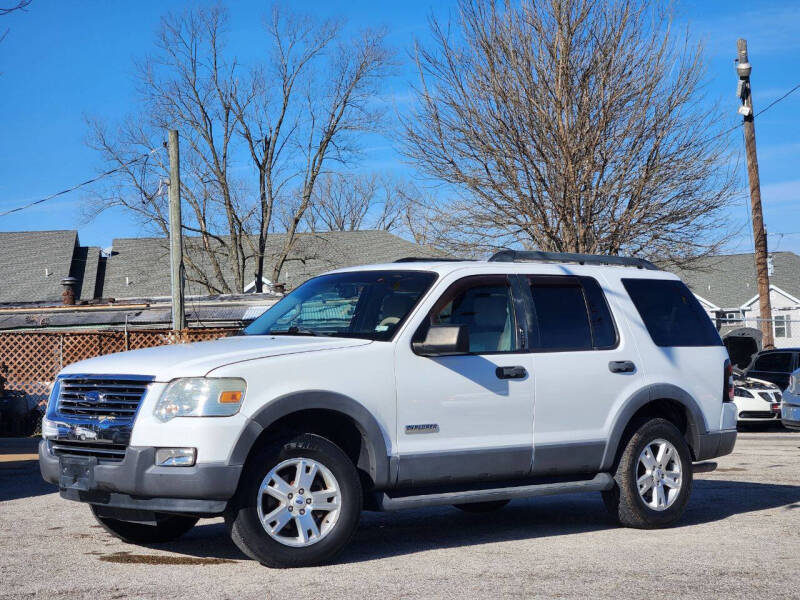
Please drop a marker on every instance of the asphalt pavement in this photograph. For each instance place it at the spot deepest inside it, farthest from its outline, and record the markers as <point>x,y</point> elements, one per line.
<point>740,538</point>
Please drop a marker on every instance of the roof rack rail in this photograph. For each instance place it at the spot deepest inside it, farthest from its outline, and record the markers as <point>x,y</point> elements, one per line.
<point>571,257</point>
<point>411,259</point>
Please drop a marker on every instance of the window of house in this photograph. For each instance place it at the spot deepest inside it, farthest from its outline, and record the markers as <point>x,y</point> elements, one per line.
<point>783,326</point>
<point>485,306</point>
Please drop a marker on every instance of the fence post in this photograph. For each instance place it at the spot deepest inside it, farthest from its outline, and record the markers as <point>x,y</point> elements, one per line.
<point>60,351</point>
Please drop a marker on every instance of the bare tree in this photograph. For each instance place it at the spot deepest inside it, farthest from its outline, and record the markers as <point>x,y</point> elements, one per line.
<point>353,201</point>
<point>252,139</point>
<point>570,125</point>
<point>7,10</point>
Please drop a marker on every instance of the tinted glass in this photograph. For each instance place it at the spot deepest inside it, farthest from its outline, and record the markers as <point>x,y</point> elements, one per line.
<point>777,362</point>
<point>361,304</point>
<point>603,330</point>
<point>487,311</point>
<point>561,317</point>
<point>671,313</point>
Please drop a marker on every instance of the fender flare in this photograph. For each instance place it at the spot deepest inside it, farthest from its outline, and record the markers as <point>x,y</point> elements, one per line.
<point>696,422</point>
<point>376,459</point>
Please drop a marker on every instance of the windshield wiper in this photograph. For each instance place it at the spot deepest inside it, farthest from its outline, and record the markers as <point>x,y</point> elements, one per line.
<point>293,330</point>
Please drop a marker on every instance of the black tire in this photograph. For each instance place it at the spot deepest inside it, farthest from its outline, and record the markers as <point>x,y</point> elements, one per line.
<point>482,507</point>
<point>624,502</point>
<point>245,525</point>
<point>168,528</point>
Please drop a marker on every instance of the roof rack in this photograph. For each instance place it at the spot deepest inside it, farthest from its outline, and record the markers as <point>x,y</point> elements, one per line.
<point>411,259</point>
<point>571,257</point>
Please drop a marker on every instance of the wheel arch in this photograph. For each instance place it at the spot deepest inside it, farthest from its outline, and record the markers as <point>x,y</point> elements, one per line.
<point>371,457</point>
<point>665,400</point>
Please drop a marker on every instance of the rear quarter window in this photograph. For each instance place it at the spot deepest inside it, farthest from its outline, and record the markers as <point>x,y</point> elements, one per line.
<point>671,313</point>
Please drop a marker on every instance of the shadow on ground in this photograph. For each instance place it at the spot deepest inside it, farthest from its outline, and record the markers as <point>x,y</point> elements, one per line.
<point>21,479</point>
<point>383,535</point>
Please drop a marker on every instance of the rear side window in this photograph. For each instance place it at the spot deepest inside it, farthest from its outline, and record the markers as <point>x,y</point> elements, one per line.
<point>671,313</point>
<point>775,362</point>
<point>570,313</point>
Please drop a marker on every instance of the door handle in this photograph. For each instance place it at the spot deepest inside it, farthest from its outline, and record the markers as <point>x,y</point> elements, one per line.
<point>511,372</point>
<point>621,366</point>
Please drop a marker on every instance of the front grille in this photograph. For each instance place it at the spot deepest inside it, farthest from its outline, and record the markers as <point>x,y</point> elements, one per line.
<point>106,452</point>
<point>758,414</point>
<point>100,398</point>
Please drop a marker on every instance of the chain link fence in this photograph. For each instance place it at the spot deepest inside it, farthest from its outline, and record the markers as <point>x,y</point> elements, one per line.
<point>785,328</point>
<point>30,361</point>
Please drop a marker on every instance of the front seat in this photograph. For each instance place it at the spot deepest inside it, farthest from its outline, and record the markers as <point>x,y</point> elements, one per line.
<point>491,329</point>
<point>393,308</point>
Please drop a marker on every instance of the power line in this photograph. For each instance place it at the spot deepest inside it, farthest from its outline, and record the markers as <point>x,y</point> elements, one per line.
<point>759,113</point>
<point>80,185</point>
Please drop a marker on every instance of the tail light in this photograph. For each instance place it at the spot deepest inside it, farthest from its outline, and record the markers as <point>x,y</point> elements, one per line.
<point>727,384</point>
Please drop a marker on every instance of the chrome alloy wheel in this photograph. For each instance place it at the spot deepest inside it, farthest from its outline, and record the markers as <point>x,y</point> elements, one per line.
<point>299,502</point>
<point>659,475</point>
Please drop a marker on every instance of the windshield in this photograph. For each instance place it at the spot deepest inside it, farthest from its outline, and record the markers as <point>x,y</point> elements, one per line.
<point>361,304</point>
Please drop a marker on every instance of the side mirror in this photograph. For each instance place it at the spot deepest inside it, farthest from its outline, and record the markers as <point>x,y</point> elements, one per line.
<point>444,340</point>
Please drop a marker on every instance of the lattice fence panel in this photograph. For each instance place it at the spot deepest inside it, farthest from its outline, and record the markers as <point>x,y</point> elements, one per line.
<point>29,362</point>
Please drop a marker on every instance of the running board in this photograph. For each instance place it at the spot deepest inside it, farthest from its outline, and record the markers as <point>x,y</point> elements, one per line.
<point>600,482</point>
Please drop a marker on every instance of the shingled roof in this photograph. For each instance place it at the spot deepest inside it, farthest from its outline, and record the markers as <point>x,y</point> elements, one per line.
<point>139,267</point>
<point>729,281</point>
<point>34,263</point>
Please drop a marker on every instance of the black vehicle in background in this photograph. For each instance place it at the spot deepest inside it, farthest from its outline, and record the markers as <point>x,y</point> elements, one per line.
<point>775,366</point>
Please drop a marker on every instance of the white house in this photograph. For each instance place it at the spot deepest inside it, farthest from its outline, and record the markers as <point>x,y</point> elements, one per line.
<point>726,287</point>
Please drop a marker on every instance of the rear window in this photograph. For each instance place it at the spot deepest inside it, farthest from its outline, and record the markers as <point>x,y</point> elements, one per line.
<point>671,313</point>
<point>776,362</point>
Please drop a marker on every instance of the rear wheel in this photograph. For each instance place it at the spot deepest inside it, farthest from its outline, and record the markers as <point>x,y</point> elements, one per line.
<point>653,478</point>
<point>167,528</point>
<point>482,507</point>
<point>298,505</point>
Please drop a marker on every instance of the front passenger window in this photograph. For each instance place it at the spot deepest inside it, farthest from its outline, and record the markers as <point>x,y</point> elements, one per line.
<point>487,311</point>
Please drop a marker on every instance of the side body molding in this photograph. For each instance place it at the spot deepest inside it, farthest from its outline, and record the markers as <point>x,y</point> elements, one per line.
<point>696,423</point>
<point>374,457</point>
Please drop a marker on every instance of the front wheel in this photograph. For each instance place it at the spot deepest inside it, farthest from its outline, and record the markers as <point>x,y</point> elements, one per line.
<point>653,478</point>
<point>167,528</point>
<point>298,505</point>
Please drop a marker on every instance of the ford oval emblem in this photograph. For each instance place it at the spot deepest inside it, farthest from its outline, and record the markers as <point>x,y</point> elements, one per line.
<point>93,397</point>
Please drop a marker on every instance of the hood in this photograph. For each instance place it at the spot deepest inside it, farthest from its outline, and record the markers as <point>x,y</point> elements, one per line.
<point>196,360</point>
<point>742,344</point>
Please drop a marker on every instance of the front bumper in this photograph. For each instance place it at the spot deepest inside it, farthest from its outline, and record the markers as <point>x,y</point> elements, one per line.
<point>136,482</point>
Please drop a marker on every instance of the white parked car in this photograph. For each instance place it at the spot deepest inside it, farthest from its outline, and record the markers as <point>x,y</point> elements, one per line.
<point>790,411</point>
<point>756,399</point>
<point>404,385</point>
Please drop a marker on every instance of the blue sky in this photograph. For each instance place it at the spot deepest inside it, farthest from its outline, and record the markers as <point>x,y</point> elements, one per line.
<point>62,61</point>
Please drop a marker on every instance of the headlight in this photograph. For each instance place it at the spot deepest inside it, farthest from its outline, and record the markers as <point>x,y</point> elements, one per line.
<point>742,393</point>
<point>200,397</point>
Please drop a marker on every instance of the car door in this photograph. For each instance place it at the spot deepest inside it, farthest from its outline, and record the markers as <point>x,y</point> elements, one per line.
<point>582,365</point>
<point>467,416</point>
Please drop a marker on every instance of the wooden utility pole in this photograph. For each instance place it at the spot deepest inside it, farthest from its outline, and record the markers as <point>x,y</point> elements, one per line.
<point>175,234</point>
<point>743,69</point>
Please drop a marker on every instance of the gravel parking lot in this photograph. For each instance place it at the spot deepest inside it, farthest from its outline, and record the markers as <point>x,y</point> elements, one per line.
<point>740,538</point>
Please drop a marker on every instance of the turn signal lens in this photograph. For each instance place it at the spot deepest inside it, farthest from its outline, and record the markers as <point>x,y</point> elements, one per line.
<point>230,397</point>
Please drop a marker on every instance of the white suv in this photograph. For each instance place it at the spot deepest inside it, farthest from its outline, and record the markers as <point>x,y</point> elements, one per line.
<point>399,386</point>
